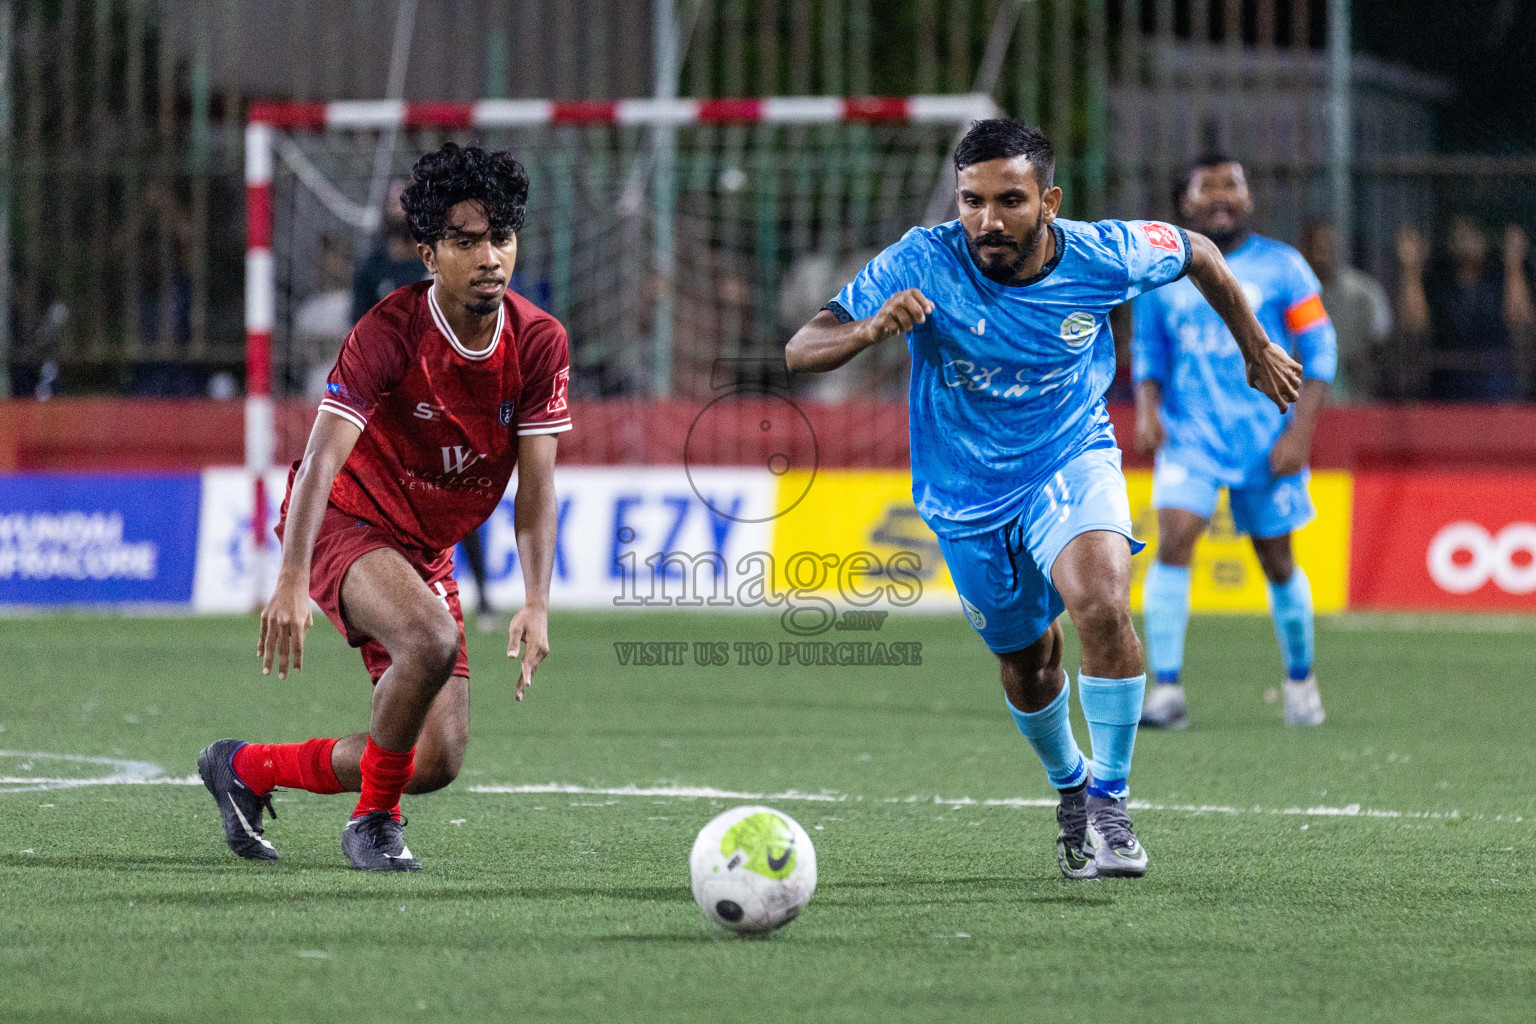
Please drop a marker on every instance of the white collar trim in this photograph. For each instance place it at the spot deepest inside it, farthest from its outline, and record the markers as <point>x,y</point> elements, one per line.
<point>453,339</point>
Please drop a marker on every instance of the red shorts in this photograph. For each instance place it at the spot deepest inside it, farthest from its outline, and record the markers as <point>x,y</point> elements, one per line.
<point>343,540</point>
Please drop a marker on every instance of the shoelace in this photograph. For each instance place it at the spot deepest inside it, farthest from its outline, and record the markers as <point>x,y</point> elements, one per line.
<point>1114,824</point>
<point>1073,821</point>
<point>373,825</point>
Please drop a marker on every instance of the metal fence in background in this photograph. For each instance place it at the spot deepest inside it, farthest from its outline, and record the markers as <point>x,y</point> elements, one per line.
<point>120,126</point>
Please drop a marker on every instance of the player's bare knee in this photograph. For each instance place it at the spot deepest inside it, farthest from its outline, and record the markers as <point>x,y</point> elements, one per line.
<point>1177,555</point>
<point>432,645</point>
<point>1100,615</point>
<point>1032,677</point>
<point>1177,536</point>
<point>1275,558</point>
<point>1176,547</point>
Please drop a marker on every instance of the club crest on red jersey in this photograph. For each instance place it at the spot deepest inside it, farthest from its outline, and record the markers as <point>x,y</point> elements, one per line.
<point>504,413</point>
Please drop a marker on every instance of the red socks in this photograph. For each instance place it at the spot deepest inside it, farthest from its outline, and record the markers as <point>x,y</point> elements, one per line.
<point>385,773</point>
<point>307,766</point>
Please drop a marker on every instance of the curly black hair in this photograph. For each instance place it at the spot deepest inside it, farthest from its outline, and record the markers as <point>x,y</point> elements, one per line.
<point>453,174</point>
<point>999,138</point>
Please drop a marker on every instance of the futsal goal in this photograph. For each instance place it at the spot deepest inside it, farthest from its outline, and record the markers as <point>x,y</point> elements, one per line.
<point>665,235</point>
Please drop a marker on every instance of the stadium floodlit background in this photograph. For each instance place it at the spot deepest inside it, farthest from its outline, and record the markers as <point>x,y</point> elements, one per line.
<point>195,207</point>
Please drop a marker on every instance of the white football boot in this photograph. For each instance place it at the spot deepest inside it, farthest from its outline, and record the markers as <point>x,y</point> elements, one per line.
<point>1164,707</point>
<point>1303,704</point>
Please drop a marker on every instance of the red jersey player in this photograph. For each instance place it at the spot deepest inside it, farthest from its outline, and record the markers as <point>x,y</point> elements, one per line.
<point>439,391</point>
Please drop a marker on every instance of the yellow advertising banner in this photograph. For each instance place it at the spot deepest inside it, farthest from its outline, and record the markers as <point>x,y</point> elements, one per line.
<point>1225,575</point>
<point>845,512</point>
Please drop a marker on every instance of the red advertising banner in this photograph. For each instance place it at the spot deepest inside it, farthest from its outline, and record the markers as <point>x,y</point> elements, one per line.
<point>1451,541</point>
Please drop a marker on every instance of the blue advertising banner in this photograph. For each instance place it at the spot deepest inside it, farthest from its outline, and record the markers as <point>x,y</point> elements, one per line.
<point>77,539</point>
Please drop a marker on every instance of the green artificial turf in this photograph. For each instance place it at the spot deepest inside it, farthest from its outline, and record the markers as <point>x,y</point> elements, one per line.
<point>120,903</point>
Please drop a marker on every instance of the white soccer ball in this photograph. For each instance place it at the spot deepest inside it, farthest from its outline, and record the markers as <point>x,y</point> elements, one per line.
<point>754,869</point>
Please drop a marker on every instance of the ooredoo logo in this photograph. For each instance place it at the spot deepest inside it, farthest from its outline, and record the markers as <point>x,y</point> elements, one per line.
<point>1464,556</point>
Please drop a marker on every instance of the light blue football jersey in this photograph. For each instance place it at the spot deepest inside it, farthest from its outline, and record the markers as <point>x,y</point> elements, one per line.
<point>1216,424</point>
<point>1008,381</point>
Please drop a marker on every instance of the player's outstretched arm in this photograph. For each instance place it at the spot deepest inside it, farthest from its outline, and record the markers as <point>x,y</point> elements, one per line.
<point>535,517</point>
<point>827,343</point>
<point>1270,368</point>
<point>286,619</point>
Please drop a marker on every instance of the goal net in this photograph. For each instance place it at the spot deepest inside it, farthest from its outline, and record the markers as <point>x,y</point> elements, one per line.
<point>665,235</point>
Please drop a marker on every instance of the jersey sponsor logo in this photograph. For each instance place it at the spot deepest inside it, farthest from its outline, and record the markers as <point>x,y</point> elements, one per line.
<point>504,413</point>
<point>458,458</point>
<point>1464,556</point>
<point>1207,339</point>
<point>340,391</point>
<point>1077,328</point>
<point>1162,236</point>
<point>964,373</point>
<point>557,402</point>
<point>1306,314</point>
<point>427,411</point>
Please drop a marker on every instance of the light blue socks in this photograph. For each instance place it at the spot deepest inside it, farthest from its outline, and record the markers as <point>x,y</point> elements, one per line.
<point>1113,709</point>
<point>1290,605</point>
<point>1049,731</point>
<point>1165,609</point>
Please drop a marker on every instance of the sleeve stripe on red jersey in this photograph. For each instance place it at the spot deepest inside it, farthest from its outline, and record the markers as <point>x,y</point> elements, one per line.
<point>350,415</point>
<point>554,427</point>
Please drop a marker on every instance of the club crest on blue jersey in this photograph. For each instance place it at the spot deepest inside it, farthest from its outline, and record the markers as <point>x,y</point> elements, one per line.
<point>973,613</point>
<point>1077,328</point>
<point>504,413</point>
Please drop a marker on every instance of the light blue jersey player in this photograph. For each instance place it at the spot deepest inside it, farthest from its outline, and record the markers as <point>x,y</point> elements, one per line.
<point>1014,463</point>
<point>1210,432</point>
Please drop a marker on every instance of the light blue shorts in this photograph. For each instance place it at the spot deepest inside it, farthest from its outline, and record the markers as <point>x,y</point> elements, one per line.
<point>1269,507</point>
<point>1004,575</point>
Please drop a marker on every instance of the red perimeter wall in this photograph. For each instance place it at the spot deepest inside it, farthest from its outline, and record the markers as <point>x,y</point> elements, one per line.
<point>150,434</point>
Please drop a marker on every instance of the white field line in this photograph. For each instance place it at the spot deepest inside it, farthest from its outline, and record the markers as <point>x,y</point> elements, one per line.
<point>710,793</point>
<point>124,773</point>
<point>144,773</point>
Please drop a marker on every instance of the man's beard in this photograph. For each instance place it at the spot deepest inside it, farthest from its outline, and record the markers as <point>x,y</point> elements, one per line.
<point>1227,239</point>
<point>1006,271</point>
<point>484,307</point>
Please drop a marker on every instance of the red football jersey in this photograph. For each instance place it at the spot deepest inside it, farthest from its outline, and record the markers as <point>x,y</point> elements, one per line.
<point>440,422</point>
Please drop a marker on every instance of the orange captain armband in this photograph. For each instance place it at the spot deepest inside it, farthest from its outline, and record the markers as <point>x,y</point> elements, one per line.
<point>1306,314</point>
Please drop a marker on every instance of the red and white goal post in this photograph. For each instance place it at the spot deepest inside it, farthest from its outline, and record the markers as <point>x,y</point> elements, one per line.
<point>662,232</point>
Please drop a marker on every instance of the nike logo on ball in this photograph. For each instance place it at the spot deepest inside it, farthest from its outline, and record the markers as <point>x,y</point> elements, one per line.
<point>777,864</point>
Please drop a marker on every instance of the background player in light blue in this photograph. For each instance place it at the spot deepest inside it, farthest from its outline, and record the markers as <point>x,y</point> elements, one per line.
<point>1210,432</point>
<point>1014,463</point>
